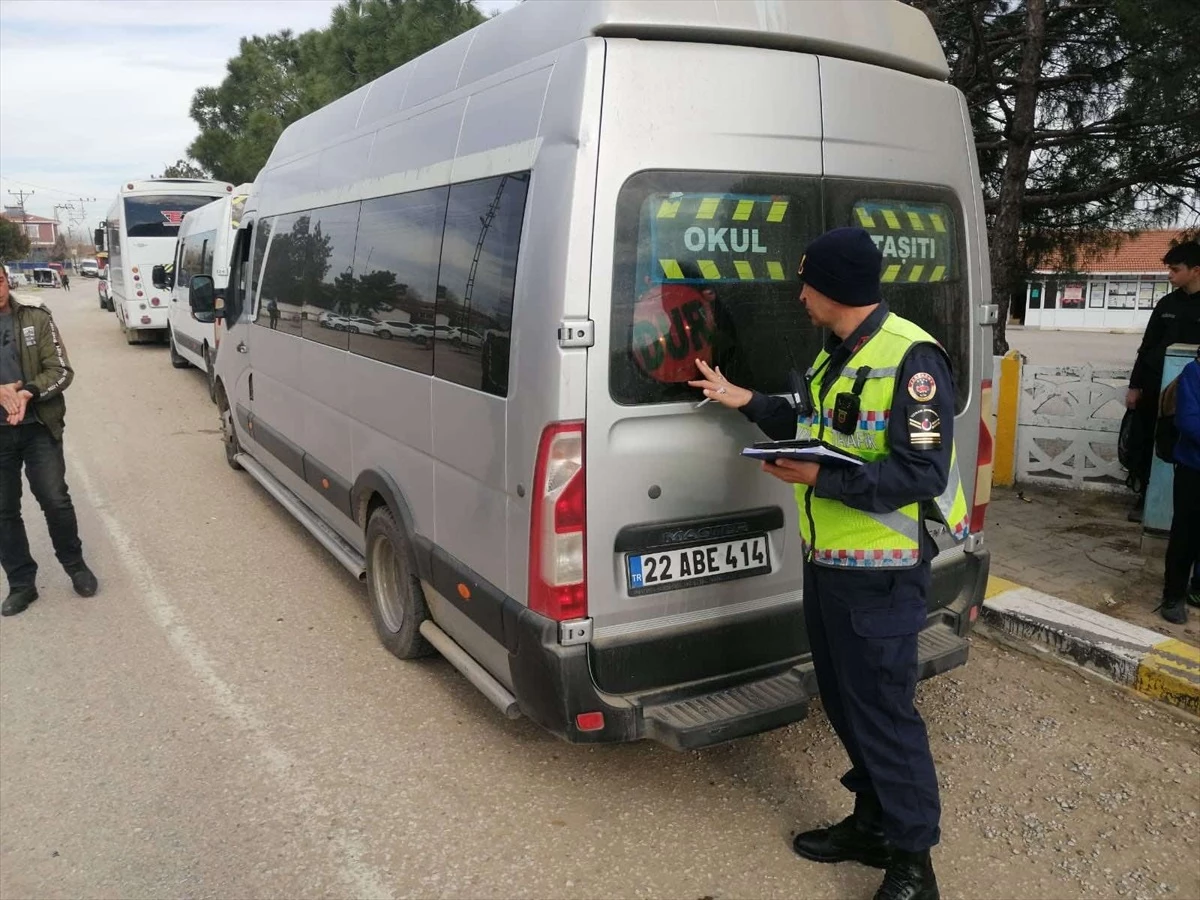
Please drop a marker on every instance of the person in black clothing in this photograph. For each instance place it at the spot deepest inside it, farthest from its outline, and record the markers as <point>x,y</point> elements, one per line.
<point>1175,320</point>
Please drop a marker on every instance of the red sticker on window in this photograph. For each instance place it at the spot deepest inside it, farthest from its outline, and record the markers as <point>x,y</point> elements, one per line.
<point>673,327</point>
<point>173,216</point>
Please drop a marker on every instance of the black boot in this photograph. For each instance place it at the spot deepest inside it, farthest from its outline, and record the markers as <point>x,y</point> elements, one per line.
<point>858,837</point>
<point>1139,506</point>
<point>909,876</point>
<point>1175,610</point>
<point>18,600</point>
<point>83,580</point>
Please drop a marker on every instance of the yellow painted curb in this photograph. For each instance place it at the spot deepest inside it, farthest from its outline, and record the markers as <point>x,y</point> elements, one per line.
<point>1008,402</point>
<point>997,585</point>
<point>1171,672</point>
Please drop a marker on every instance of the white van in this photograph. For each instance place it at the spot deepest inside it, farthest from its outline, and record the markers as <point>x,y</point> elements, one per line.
<point>592,196</point>
<point>202,248</point>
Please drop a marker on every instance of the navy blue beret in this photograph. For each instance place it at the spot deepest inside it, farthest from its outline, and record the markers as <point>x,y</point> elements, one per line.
<point>844,265</point>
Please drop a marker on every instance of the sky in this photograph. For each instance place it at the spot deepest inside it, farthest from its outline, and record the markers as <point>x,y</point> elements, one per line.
<point>96,92</point>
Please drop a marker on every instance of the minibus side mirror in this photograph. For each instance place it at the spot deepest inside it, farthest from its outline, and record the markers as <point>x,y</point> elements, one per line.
<point>98,239</point>
<point>202,297</point>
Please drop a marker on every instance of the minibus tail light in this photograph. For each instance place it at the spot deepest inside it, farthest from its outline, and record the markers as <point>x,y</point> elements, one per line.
<point>557,533</point>
<point>984,454</point>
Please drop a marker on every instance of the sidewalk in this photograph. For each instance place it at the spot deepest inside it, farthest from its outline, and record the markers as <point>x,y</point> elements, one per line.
<point>1077,545</point>
<point>1067,572</point>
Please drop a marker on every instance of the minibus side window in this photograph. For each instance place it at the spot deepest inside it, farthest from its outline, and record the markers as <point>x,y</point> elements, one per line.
<point>325,263</point>
<point>281,300</point>
<point>249,275</point>
<point>474,309</point>
<point>704,268</point>
<point>396,258</point>
<point>919,230</point>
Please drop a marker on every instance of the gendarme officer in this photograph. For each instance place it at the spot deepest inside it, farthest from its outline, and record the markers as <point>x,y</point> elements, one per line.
<point>881,390</point>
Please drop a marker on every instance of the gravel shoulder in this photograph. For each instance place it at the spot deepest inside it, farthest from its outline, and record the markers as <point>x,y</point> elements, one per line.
<point>221,722</point>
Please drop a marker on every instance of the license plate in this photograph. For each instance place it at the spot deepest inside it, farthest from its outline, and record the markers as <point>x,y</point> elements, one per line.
<point>665,570</point>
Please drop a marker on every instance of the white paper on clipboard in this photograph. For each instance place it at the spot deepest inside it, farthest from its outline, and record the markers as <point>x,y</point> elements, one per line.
<point>802,451</point>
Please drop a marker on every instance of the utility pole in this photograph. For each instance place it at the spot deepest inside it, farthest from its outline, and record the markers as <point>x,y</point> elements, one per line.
<point>21,195</point>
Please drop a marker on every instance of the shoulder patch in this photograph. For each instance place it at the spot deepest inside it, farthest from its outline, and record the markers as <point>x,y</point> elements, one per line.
<point>922,387</point>
<point>924,427</point>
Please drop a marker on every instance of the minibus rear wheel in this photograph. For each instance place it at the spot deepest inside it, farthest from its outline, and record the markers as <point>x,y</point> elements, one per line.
<point>397,600</point>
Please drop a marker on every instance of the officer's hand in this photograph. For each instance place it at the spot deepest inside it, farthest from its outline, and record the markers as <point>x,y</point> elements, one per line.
<point>717,387</point>
<point>16,415</point>
<point>1132,396</point>
<point>793,471</point>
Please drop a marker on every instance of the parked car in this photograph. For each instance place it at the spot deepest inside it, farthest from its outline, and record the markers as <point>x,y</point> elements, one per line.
<point>89,268</point>
<point>467,337</point>
<point>391,329</point>
<point>358,325</point>
<point>16,278</point>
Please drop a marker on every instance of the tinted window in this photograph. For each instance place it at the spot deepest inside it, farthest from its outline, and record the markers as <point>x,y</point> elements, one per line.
<point>705,268</point>
<point>326,278</point>
<point>159,215</point>
<point>395,277</point>
<point>281,298</point>
<point>195,257</point>
<point>919,231</point>
<point>476,281</point>
<point>250,274</point>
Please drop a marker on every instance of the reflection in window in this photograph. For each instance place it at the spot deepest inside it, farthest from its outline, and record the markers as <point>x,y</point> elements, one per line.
<point>326,280</point>
<point>473,323</point>
<point>395,277</point>
<point>281,300</point>
<point>195,257</point>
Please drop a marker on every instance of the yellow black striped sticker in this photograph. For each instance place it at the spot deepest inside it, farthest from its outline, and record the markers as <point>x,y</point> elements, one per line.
<point>916,239</point>
<point>700,238</point>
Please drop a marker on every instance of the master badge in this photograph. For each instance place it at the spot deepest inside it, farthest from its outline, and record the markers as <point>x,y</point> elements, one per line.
<point>922,387</point>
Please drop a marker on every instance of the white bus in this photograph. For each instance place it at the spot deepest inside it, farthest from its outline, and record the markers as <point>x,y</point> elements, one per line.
<point>205,240</point>
<point>139,234</point>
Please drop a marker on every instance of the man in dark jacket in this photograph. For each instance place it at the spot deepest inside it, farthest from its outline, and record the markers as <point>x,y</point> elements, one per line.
<point>1175,320</point>
<point>34,372</point>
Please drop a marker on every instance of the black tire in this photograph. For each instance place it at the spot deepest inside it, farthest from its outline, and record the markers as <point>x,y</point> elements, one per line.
<point>103,303</point>
<point>210,372</point>
<point>177,361</point>
<point>385,334</point>
<point>353,329</point>
<point>228,433</point>
<point>111,308</point>
<point>397,600</point>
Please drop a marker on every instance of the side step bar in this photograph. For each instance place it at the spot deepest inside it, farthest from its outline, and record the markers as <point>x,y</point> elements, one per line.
<point>474,672</point>
<point>329,539</point>
<point>755,706</point>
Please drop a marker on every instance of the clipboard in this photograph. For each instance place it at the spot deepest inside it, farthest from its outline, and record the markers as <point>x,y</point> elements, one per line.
<point>802,451</point>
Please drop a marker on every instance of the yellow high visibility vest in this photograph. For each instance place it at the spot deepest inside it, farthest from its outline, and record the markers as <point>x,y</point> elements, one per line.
<point>835,534</point>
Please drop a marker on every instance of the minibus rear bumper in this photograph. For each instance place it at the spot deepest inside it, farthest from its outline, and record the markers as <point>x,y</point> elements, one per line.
<point>556,685</point>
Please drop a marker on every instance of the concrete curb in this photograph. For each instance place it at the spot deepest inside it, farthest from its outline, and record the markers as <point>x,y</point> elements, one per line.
<point>1160,668</point>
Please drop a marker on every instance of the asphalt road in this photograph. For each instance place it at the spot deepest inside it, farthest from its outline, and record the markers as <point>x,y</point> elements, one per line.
<point>221,722</point>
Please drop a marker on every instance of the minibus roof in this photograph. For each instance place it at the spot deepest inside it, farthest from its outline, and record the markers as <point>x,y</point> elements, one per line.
<point>880,32</point>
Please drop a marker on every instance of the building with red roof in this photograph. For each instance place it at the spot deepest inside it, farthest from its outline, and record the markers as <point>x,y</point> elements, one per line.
<point>1111,289</point>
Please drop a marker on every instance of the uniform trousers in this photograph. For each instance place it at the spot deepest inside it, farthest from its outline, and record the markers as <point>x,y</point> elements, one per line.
<point>863,627</point>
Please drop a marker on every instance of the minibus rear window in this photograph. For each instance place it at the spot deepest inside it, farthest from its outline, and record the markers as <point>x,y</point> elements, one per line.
<point>919,230</point>
<point>159,215</point>
<point>705,269</point>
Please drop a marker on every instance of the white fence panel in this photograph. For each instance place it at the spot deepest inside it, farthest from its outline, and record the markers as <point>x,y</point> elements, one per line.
<point>1067,426</point>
